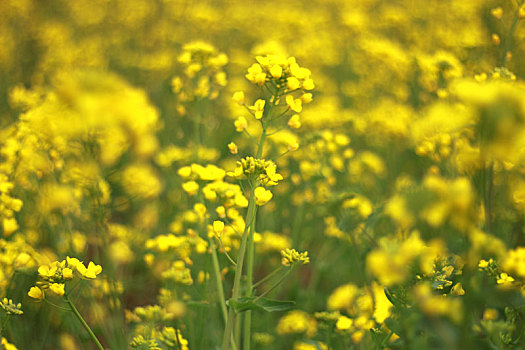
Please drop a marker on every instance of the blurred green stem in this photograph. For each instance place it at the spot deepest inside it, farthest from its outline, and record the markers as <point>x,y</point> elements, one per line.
<point>86,326</point>
<point>283,277</point>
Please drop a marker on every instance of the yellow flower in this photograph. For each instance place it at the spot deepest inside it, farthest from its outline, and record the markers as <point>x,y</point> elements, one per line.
<point>36,293</point>
<point>290,256</point>
<point>307,98</point>
<point>292,83</point>
<point>505,279</point>
<point>176,84</point>
<point>91,271</point>
<point>238,97</point>
<point>184,172</point>
<point>258,108</point>
<point>256,75</point>
<point>276,71</point>
<point>483,264</point>
<point>190,187</point>
<point>308,84</point>
<point>67,273</point>
<point>295,105</point>
<point>10,226</point>
<point>221,211</point>
<point>496,39</point>
<point>344,323</point>
<point>240,124</point>
<point>45,271</point>
<point>497,12</point>
<point>490,314</point>
<point>457,289</point>
<point>262,196</point>
<point>57,288</point>
<point>295,121</point>
<point>233,148</point>
<point>72,262</point>
<point>218,227</point>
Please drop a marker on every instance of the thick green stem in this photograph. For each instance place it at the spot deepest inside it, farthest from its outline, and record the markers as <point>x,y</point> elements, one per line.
<point>251,255</point>
<point>247,246</point>
<point>86,326</point>
<point>252,208</point>
<point>218,283</point>
<point>249,285</point>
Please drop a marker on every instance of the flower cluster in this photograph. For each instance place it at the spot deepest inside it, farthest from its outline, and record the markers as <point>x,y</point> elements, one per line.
<point>292,256</point>
<point>264,171</point>
<point>204,74</point>
<point>285,72</point>
<point>53,277</point>
<point>10,307</point>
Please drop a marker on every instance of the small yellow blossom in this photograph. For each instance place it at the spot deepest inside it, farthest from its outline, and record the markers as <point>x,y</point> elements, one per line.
<point>91,271</point>
<point>233,148</point>
<point>57,288</point>
<point>496,39</point>
<point>276,71</point>
<point>308,84</point>
<point>295,105</point>
<point>36,293</point>
<point>240,124</point>
<point>256,74</point>
<point>307,98</point>
<point>292,83</point>
<point>295,121</point>
<point>258,108</point>
<point>238,97</point>
<point>10,226</point>
<point>184,172</point>
<point>505,279</point>
<point>344,323</point>
<point>497,12</point>
<point>457,289</point>
<point>218,227</point>
<point>262,196</point>
<point>190,187</point>
<point>490,314</point>
<point>67,273</point>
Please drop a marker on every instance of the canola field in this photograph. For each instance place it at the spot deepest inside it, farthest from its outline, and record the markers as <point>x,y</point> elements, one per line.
<point>242,174</point>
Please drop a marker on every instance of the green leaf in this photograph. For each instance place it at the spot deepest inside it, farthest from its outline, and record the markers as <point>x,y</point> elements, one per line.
<point>262,304</point>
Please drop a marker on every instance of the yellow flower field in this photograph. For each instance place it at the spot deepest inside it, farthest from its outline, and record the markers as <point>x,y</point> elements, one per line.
<point>238,175</point>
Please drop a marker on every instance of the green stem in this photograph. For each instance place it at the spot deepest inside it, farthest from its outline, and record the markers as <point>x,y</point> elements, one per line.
<point>488,189</point>
<point>276,283</point>
<point>247,246</point>
<point>249,285</point>
<point>86,326</point>
<point>218,281</point>
<point>252,208</point>
<point>225,252</point>
<point>251,250</point>
<point>177,332</point>
<point>273,273</point>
